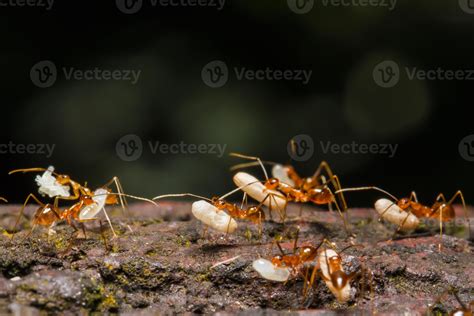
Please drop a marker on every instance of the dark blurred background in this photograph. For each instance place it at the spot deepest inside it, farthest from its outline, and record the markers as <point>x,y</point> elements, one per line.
<point>171,102</point>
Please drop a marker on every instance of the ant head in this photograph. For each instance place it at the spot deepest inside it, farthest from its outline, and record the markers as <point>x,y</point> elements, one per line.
<point>307,252</point>
<point>87,199</point>
<point>339,279</point>
<point>257,213</point>
<point>63,178</point>
<point>277,260</point>
<point>403,203</point>
<point>272,183</point>
<point>218,202</point>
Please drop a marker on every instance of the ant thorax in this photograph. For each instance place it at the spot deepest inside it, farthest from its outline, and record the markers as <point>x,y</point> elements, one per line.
<point>48,185</point>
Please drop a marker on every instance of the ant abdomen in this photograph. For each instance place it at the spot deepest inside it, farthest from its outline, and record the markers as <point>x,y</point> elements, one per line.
<point>45,216</point>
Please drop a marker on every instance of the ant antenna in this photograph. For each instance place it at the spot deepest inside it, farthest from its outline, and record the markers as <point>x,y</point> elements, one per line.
<point>259,161</point>
<point>181,195</point>
<point>366,188</point>
<point>251,164</point>
<point>128,195</point>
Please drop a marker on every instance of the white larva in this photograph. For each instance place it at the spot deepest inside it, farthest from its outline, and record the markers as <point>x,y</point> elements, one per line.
<point>213,217</point>
<point>268,271</point>
<point>281,173</point>
<point>395,215</point>
<point>259,192</point>
<point>49,186</point>
<point>90,211</point>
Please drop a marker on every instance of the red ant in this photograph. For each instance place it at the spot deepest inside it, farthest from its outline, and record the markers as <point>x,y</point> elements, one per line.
<point>77,189</point>
<point>206,212</point>
<point>406,212</point>
<point>303,190</point>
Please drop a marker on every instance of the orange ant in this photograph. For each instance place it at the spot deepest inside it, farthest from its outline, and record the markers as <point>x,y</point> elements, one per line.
<point>218,211</point>
<point>303,190</point>
<point>65,180</point>
<point>84,210</point>
<point>406,212</point>
<point>463,310</point>
<point>328,266</point>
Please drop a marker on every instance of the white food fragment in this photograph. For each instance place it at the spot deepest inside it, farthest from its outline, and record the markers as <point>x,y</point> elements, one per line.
<point>268,271</point>
<point>49,186</point>
<point>259,192</point>
<point>213,217</point>
<point>281,173</point>
<point>395,215</point>
<point>90,211</point>
<point>342,295</point>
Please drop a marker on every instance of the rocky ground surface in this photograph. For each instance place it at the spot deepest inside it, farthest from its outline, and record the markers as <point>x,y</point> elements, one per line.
<point>161,264</point>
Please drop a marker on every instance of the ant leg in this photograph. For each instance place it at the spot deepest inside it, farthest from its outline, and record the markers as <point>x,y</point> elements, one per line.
<point>110,223</point>
<point>204,232</point>
<point>401,224</point>
<point>344,220</point>
<point>337,184</point>
<point>281,212</point>
<point>83,227</point>
<point>30,232</point>
<point>461,197</point>
<point>122,198</point>
<point>30,196</point>
<point>257,159</point>
<point>244,200</point>
<point>103,235</point>
<point>413,196</point>
<point>312,279</point>
<point>295,243</point>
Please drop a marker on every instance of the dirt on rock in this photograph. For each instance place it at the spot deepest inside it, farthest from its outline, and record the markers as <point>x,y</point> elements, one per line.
<point>161,264</point>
